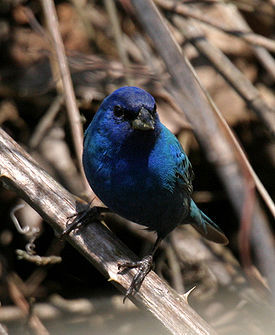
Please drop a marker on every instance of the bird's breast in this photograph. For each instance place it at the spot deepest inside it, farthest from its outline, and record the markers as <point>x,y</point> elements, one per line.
<point>137,182</point>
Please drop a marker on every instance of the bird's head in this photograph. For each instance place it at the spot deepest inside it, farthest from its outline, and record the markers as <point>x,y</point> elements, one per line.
<point>131,109</point>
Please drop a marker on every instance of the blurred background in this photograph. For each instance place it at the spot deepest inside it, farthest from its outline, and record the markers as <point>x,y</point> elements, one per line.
<point>106,48</point>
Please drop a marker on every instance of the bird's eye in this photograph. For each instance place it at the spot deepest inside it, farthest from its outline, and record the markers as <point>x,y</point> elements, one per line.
<point>155,109</point>
<point>118,111</point>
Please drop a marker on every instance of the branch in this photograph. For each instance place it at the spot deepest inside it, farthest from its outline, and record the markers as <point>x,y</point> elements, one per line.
<point>229,71</point>
<point>19,300</point>
<point>118,36</point>
<point>247,36</point>
<point>72,109</point>
<point>242,86</point>
<point>21,173</point>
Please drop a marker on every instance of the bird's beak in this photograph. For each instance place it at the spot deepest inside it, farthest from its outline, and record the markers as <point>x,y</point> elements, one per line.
<point>144,120</point>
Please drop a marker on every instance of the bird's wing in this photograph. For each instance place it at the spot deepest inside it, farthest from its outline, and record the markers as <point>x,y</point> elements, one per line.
<point>184,171</point>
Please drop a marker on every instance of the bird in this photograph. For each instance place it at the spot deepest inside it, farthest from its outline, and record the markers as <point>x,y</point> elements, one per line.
<point>139,170</point>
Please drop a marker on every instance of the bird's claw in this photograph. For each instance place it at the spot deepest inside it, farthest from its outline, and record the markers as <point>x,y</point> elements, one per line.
<point>144,266</point>
<point>81,218</point>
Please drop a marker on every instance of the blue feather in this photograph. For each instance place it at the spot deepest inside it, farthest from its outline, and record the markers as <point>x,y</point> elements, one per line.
<point>138,168</point>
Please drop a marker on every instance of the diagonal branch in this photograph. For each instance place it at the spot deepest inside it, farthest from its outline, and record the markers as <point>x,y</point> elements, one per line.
<point>243,87</point>
<point>70,100</point>
<point>247,36</point>
<point>21,173</point>
<point>229,71</point>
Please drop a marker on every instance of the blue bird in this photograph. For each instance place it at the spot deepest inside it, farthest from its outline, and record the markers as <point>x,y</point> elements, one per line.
<point>139,170</point>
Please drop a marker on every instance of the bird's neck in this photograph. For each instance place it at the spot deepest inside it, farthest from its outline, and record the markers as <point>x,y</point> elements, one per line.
<point>135,145</point>
<point>142,140</point>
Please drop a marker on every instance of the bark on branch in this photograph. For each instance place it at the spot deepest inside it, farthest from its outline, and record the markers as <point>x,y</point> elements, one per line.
<point>22,174</point>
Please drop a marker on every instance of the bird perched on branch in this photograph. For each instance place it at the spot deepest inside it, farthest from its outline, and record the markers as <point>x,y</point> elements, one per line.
<point>139,170</point>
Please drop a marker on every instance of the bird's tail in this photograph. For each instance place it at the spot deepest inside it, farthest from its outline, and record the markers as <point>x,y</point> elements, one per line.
<point>204,225</point>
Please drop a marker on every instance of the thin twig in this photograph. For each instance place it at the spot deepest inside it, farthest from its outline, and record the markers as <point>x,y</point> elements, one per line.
<point>38,260</point>
<point>247,36</point>
<point>266,59</point>
<point>19,300</point>
<point>80,7</point>
<point>45,122</point>
<point>260,52</point>
<point>112,12</point>
<point>229,71</point>
<point>72,109</point>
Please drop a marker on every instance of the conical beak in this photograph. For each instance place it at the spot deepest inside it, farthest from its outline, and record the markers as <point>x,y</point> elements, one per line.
<point>144,120</point>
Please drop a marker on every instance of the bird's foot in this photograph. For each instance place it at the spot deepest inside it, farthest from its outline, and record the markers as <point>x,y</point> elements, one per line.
<point>144,266</point>
<point>82,217</point>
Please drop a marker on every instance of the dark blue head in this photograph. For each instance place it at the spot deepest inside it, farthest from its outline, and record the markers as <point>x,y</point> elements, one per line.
<point>130,98</point>
<point>129,108</point>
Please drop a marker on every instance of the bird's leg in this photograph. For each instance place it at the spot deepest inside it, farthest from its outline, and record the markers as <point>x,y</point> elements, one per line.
<point>144,266</point>
<point>83,217</point>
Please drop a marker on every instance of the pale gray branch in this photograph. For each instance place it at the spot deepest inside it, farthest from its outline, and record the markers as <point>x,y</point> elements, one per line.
<point>21,173</point>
